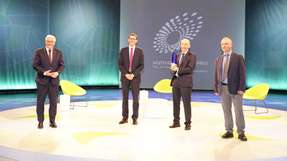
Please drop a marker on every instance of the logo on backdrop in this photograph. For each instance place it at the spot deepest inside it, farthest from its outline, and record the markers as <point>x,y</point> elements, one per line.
<point>186,25</point>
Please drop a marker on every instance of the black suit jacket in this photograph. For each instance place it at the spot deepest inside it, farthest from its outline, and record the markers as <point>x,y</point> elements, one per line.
<point>137,66</point>
<point>236,74</point>
<point>41,63</point>
<point>185,71</point>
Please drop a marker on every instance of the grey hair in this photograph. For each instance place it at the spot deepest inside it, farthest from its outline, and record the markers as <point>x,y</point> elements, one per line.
<point>185,40</point>
<point>50,36</point>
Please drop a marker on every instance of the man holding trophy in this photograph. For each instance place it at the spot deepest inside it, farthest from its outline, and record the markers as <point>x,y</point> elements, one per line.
<point>182,67</point>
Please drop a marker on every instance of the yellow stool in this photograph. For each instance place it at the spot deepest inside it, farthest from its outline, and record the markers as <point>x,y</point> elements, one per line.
<point>163,86</point>
<point>72,89</point>
<point>257,93</point>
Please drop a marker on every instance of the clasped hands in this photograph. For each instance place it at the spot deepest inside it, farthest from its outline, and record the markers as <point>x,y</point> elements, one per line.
<point>51,74</point>
<point>130,76</point>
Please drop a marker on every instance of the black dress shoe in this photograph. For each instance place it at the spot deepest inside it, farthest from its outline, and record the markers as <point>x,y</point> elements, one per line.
<point>135,121</point>
<point>242,137</point>
<point>227,135</point>
<point>53,125</point>
<point>123,121</point>
<point>40,125</point>
<point>187,127</point>
<point>174,125</point>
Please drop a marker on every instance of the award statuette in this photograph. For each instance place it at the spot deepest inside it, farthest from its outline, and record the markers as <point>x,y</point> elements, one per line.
<point>173,61</point>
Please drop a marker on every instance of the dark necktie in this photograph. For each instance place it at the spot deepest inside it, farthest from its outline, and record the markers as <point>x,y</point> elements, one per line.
<point>225,66</point>
<point>50,55</point>
<point>181,58</point>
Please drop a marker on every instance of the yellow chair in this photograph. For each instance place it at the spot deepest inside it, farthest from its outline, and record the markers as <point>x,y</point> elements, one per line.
<point>163,86</point>
<point>72,89</point>
<point>257,93</point>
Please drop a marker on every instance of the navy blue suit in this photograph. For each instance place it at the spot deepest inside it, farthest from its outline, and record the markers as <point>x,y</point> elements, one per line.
<point>47,85</point>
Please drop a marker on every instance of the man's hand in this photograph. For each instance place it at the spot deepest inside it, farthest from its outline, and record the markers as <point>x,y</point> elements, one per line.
<point>54,74</point>
<point>129,76</point>
<point>173,67</point>
<point>47,73</point>
<point>240,92</point>
<point>132,76</point>
<point>51,74</point>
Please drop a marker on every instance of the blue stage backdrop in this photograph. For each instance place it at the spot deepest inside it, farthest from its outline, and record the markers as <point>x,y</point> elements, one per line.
<point>161,24</point>
<point>87,32</point>
<point>266,47</point>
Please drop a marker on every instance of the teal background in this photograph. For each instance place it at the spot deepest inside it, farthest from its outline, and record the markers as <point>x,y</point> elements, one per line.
<point>87,32</point>
<point>265,42</point>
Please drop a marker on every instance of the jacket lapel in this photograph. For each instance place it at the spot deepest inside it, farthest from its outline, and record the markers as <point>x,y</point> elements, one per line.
<point>134,57</point>
<point>54,56</point>
<point>220,63</point>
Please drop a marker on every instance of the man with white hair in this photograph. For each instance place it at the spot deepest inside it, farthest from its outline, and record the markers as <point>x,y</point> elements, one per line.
<point>230,75</point>
<point>48,63</point>
<point>182,83</point>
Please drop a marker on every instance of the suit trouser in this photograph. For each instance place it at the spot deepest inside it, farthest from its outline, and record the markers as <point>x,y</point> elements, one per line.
<point>185,94</point>
<point>227,100</point>
<point>135,88</point>
<point>42,92</point>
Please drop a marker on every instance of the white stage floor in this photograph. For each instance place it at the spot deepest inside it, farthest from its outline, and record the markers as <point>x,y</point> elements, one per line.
<point>93,132</point>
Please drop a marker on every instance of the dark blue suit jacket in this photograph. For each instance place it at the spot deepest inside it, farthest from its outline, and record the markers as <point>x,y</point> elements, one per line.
<point>137,66</point>
<point>236,74</point>
<point>41,63</point>
<point>185,71</point>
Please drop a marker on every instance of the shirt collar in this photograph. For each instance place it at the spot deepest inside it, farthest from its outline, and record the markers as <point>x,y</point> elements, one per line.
<point>47,49</point>
<point>184,53</point>
<point>228,53</point>
<point>130,47</point>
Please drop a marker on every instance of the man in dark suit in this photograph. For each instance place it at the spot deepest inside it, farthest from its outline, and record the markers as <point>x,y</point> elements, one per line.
<point>230,85</point>
<point>182,83</point>
<point>131,63</point>
<point>48,63</point>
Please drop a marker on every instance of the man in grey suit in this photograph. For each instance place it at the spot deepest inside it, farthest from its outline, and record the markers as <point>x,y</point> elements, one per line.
<point>230,85</point>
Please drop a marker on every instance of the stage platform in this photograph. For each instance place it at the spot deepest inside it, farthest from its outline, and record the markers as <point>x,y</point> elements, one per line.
<point>93,133</point>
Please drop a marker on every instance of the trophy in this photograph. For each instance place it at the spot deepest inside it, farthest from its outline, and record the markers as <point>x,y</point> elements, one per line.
<point>173,61</point>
